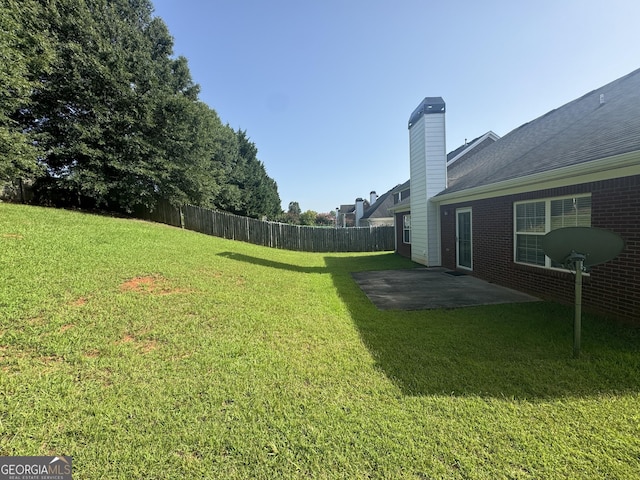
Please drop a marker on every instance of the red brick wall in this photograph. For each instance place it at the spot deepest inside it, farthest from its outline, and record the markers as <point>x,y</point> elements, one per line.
<point>612,288</point>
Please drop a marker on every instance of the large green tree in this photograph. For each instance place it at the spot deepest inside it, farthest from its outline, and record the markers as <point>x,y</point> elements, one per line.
<point>25,54</point>
<point>259,192</point>
<point>112,118</point>
<point>86,114</point>
<point>247,189</point>
<point>118,117</point>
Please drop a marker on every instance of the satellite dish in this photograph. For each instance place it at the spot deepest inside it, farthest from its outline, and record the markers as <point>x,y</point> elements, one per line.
<point>578,248</point>
<point>595,244</point>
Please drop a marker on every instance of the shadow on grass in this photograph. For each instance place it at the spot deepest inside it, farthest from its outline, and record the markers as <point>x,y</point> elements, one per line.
<point>520,351</point>
<point>272,264</point>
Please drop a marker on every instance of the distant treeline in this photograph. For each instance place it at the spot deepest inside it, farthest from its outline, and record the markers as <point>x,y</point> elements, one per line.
<point>96,112</point>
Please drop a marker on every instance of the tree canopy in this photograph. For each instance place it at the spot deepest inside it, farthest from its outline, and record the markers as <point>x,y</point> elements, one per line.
<point>99,113</point>
<point>25,54</point>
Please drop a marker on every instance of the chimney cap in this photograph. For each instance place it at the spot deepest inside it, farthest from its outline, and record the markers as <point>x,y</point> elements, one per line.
<point>429,105</point>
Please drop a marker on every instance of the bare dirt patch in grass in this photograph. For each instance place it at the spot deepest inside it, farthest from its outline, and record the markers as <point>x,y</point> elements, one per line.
<point>15,236</point>
<point>95,353</point>
<point>51,359</point>
<point>151,284</point>
<point>79,302</point>
<point>143,346</point>
<point>148,346</point>
<point>49,363</point>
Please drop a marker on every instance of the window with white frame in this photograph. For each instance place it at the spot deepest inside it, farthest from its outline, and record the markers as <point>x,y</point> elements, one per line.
<point>536,218</point>
<point>406,228</point>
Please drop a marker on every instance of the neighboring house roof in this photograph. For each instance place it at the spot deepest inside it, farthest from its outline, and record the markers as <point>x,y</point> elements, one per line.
<point>347,208</point>
<point>601,124</point>
<point>380,208</point>
<point>401,187</point>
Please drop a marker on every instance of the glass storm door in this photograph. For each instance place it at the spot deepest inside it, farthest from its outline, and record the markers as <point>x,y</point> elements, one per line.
<point>463,238</point>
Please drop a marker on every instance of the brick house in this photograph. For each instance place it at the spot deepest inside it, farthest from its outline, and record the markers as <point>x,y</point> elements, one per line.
<point>578,165</point>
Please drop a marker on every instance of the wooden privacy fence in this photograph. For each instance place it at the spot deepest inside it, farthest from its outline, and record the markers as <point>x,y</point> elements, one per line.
<point>273,234</point>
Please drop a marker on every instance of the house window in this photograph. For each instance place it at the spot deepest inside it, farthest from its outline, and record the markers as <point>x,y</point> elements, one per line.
<point>533,220</point>
<point>406,228</point>
<point>400,196</point>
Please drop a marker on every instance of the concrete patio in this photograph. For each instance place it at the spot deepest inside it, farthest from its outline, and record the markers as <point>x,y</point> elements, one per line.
<point>429,288</point>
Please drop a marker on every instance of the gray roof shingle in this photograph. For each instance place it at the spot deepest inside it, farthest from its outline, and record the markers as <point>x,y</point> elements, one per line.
<point>580,131</point>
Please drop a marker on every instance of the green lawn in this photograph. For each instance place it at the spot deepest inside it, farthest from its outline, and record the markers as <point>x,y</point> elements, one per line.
<point>146,351</point>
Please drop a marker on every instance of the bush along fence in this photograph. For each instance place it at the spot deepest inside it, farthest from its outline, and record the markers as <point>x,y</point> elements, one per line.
<point>273,234</point>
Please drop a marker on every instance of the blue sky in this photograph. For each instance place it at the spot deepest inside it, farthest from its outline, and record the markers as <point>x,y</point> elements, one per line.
<point>325,88</point>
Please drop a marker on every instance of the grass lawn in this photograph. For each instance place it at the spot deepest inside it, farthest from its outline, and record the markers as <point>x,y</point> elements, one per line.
<point>146,351</point>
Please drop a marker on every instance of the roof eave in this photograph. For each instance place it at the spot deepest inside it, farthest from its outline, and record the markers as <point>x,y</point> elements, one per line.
<point>400,208</point>
<point>622,165</point>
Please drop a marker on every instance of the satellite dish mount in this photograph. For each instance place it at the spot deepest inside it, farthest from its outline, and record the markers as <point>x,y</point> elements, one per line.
<point>575,262</point>
<point>578,249</point>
